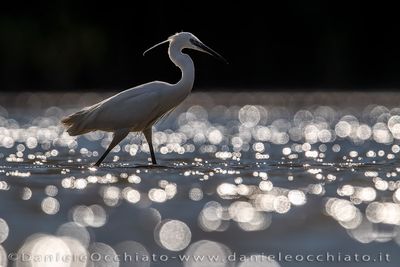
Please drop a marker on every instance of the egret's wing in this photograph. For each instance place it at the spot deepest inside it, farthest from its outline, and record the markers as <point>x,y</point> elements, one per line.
<point>125,113</point>
<point>133,108</point>
<point>166,114</point>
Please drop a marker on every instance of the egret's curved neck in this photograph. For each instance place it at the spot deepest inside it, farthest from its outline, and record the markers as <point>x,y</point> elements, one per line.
<point>185,63</point>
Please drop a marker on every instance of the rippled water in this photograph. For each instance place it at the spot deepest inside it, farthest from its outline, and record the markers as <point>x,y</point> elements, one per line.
<point>241,176</point>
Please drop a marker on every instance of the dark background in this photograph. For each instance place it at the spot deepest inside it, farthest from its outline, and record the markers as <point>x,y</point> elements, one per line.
<point>81,45</point>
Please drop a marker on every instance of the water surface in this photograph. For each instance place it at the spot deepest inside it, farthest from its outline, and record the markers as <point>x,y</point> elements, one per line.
<point>240,177</point>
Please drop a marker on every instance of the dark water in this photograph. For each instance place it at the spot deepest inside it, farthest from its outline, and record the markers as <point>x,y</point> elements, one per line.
<point>305,178</point>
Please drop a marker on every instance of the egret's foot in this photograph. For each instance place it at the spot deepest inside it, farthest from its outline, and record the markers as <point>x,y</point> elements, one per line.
<point>150,166</point>
<point>96,165</point>
<point>92,168</point>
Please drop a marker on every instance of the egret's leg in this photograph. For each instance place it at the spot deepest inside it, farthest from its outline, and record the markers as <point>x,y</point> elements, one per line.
<point>149,137</point>
<point>118,136</point>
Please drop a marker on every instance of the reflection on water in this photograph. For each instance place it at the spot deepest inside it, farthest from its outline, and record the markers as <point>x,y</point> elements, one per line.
<point>237,175</point>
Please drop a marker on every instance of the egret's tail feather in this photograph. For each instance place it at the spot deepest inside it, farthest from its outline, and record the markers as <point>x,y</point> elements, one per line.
<point>76,123</point>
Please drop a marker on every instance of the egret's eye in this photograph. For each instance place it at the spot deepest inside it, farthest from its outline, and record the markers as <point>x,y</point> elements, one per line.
<point>194,42</point>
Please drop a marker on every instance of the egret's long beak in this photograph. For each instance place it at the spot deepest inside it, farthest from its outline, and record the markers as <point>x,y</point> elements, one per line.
<point>154,46</point>
<point>206,49</point>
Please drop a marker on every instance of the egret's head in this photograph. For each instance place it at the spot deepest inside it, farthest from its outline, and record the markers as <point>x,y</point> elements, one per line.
<point>188,40</point>
<point>182,39</point>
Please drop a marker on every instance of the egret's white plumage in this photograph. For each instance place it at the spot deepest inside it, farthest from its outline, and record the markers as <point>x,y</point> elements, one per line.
<point>138,108</point>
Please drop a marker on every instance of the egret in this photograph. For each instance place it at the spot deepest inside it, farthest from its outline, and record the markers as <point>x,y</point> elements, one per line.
<point>137,109</point>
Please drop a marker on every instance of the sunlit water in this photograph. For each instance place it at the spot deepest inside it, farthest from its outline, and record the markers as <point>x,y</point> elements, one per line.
<point>241,176</point>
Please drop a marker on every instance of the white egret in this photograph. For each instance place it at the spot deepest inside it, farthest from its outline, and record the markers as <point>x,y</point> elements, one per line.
<point>139,108</point>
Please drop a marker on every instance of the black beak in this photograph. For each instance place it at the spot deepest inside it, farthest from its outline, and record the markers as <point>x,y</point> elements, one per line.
<point>208,50</point>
